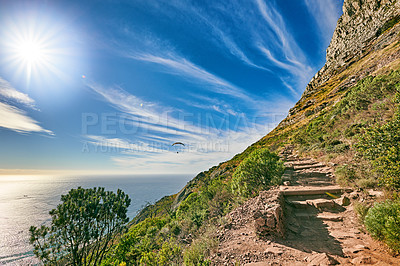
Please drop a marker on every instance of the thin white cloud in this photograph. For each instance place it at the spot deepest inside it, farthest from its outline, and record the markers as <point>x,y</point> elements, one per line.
<point>205,144</point>
<point>291,57</point>
<point>326,14</point>
<point>148,115</point>
<point>300,71</point>
<point>15,119</point>
<point>227,41</point>
<point>9,92</point>
<point>194,157</point>
<point>183,67</point>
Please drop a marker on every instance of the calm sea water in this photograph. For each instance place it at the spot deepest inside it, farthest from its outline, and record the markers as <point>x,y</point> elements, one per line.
<point>27,200</point>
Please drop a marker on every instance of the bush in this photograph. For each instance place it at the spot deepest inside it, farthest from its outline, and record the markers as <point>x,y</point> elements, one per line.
<point>257,172</point>
<point>381,145</point>
<point>199,250</point>
<point>345,174</point>
<point>139,243</point>
<point>361,210</point>
<point>383,223</point>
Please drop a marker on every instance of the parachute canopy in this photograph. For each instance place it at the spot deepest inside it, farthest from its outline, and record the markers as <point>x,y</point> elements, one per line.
<point>178,143</point>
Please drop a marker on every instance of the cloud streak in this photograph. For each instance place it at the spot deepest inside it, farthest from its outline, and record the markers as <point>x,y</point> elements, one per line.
<point>183,67</point>
<point>206,144</point>
<point>324,16</point>
<point>8,92</point>
<point>15,119</point>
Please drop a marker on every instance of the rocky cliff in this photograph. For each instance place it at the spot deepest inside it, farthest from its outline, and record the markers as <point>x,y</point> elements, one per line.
<point>366,26</point>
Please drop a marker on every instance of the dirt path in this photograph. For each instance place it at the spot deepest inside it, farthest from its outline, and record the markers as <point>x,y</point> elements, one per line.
<point>321,227</point>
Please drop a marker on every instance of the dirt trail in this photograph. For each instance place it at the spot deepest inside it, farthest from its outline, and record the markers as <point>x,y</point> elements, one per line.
<point>321,227</point>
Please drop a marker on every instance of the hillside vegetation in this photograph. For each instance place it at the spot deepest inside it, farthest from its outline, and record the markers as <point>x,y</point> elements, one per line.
<point>348,116</point>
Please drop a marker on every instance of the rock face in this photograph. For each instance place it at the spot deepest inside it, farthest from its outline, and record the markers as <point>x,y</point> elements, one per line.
<point>365,26</point>
<point>362,22</point>
<point>268,219</point>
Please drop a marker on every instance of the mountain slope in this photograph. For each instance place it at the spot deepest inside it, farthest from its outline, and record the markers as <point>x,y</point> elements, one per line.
<point>345,108</point>
<point>365,43</point>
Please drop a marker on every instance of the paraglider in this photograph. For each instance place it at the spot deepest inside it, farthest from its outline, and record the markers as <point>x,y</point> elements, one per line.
<point>178,143</point>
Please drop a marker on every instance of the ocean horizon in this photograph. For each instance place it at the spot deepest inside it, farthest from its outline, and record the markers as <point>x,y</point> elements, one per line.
<point>26,200</point>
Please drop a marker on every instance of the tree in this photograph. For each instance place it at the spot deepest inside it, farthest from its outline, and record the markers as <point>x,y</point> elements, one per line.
<point>83,227</point>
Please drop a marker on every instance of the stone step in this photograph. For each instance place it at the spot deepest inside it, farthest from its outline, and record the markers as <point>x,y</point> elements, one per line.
<point>301,163</point>
<point>305,215</point>
<point>314,191</point>
<point>298,204</point>
<point>309,174</point>
<point>309,166</point>
<point>330,217</point>
<point>295,158</point>
<point>322,203</point>
<point>316,183</point>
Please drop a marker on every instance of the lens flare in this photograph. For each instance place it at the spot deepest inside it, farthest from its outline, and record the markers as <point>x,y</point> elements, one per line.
<point>30,52</point>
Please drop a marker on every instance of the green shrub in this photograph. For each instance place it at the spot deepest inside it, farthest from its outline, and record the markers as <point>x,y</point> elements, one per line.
<point>369,182</point>
<point>345,174</point>
<point>258,171</point>
<point>169,254</point>
<point>194,208</point>
<point>383,223</point>
<point>381,145</point>
<point>139,243</point>
<point>361,209</point>
<point>199,250</point>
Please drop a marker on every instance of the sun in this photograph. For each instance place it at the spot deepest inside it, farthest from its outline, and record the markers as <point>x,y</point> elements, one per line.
<point>36,48</point>
<point>31,52</point>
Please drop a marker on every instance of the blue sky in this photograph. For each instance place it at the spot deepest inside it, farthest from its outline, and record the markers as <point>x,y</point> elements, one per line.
<point>109,86</point>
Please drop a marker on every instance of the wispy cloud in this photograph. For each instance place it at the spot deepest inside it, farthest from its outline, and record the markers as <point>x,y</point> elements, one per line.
<point>326,14</point>
<point>185,68</point>
<point>290,56</point>
<point>14,118</point>
<point>9,92</point>
<point>17,120</point>
<point>192,158</point>
<point>146,114</point>
<point>205,144</point>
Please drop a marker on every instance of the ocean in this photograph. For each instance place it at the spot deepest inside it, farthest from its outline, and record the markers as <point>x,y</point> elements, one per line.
<point>27,200</point>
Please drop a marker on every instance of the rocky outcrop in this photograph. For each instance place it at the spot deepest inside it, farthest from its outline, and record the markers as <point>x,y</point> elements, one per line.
<point>362,22</point>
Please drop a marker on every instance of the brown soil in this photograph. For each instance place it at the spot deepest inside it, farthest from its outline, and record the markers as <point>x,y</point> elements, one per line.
<point>319,229</point>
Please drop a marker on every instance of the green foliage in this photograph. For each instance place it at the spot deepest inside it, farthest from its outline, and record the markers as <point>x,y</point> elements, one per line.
<point>333,132</point>
<point>142,240</point>
<point>82,228</point>
<point>159,208</point>
<point>258,171</point>
<point>345,174</point>
<point>193,208</point>
<point>381,145</point>
<point>361,209</point>
<point>169,254</point>
<point>383,223</point>
<point>198,251</point>
<point>213,201</point>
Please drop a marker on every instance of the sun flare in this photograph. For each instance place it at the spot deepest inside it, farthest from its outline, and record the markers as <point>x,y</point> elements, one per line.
<point>31,52</point>
<point>36,48</point>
